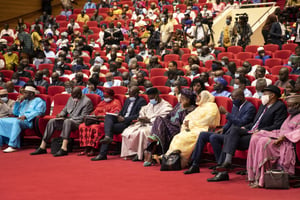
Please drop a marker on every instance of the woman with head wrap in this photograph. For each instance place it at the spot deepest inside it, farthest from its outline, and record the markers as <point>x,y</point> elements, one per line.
<point>274,149</point>
<point>164,128</point>
<point>206,115</point>
<point>90,135</point>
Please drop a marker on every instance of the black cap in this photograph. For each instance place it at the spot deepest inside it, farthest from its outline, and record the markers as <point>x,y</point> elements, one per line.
<point>274,89</point>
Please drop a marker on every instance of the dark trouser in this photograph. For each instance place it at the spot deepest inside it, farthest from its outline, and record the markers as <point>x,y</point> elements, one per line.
<point>66,126</point>
<point>216,141</point>
<point>111,127</point>
<point>237,138</point>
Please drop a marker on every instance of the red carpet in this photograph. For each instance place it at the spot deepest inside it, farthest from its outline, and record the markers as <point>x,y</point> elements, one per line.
<point>45,177</point>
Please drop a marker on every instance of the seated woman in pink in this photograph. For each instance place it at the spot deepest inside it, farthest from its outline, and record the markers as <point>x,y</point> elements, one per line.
<point>274,149</point>
<point>90,136</point>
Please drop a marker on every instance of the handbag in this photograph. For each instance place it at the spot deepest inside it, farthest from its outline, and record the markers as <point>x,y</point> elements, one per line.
<point>57,142</point>
<point>90,120</point>
<point>276,179</point>
<point>172,162</point>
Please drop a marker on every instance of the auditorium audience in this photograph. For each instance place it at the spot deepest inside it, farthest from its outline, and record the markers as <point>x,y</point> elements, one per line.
<point>127,43</point>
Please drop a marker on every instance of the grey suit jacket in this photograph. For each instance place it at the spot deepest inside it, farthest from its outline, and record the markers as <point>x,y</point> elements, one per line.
<point>77,113</point>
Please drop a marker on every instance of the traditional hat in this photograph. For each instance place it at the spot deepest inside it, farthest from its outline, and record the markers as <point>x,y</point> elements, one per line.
<point>30,89</point>
<point>3,92</point>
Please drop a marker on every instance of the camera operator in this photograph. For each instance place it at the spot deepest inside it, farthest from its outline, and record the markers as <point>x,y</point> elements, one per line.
<point>202,32</point>
<point>227,37</point>
<point>243,30</point>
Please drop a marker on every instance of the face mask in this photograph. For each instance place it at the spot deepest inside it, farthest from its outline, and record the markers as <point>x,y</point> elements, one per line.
<point>236,75</point>
<point>134,71</point>
<point>75,99</point>
<point>20,72</point>
<point>215,79</point>
<point>4,99</point>
<point>223,63</point>
<point>172,81</point>
<point>260,94</point>
<point>44,75</point>
<point>204,9</point>
<point>132,98</point>
<point>40,59</point>
<point>107,100</point>
<point>110,83</point>
<point>178,11</point>
<point>153,101</point>
<point>126,82</point>
<point>163,19</point>
<point>9,53</point>
<point>237,102</point>
<point>194,73</point>
<point>59,73</point>
<point>68,90</point>
<point>235,86</point>
<point>265,99</point>
<point>172,89</point>
<point>198,23</point>
<point>199,50</point>
<point>14,81</point>
<point>59,63</point>
<point>228,22</point>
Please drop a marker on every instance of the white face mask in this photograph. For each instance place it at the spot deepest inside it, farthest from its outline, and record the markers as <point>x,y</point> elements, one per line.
<point>14,81</point>
<point>236,75</point>
<point>107,100</point>
<point>75,99</point>
<point>235,86</point>
<point>265,99</point>
<point>4,99</point>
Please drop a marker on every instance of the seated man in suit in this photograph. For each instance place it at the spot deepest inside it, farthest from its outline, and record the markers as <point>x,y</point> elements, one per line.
<point>271,114</point>
<point>39,81</point>
<point>242,113</point>
<point>67,120</point>
<point>173,76</point>
<point>116,124</point>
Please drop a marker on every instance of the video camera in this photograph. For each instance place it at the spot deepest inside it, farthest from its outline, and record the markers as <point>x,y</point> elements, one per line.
<point>243,17</point>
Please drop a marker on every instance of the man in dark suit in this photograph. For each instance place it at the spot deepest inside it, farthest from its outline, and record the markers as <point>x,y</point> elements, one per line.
<point>116,124</point>
<point>270,116</point>
<point>39,81</point>
<point>173,76</point>
<point>242,113</point>
<point>55,80</point>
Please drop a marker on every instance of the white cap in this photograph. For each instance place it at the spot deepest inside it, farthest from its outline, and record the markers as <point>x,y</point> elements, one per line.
<point>99,60</point>
<point>260,49</point>
<point>64,34</point>
<point>3,41</point>
<point>30,89</point>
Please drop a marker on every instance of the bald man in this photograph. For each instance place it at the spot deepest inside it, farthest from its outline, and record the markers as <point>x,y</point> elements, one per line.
<point>242,113</point>
<point>77,107</point>
<point>116,124</point>
<point>283,78</point>
<point>111,81</point>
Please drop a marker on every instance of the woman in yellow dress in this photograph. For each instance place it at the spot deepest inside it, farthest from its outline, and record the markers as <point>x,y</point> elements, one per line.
<point>205,116</point>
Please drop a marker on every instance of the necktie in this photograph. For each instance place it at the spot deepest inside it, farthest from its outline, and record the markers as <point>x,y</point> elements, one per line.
<point>258,121</point>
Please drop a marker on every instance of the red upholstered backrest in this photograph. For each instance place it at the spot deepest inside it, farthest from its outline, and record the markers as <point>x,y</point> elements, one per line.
<point>60,101</point>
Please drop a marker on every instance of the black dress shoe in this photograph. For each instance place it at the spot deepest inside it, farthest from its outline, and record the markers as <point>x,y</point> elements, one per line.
<point>39,151</point>
<point>135,158</point>
<point>214,167</point>
<point>242,172</point>
<point>193,169</point>
<point>224,167</point>
<point>214,172</point>
<point>221,176</point>
<point>106,140</point>
<point>61,152</point>
<point>99,157</point>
